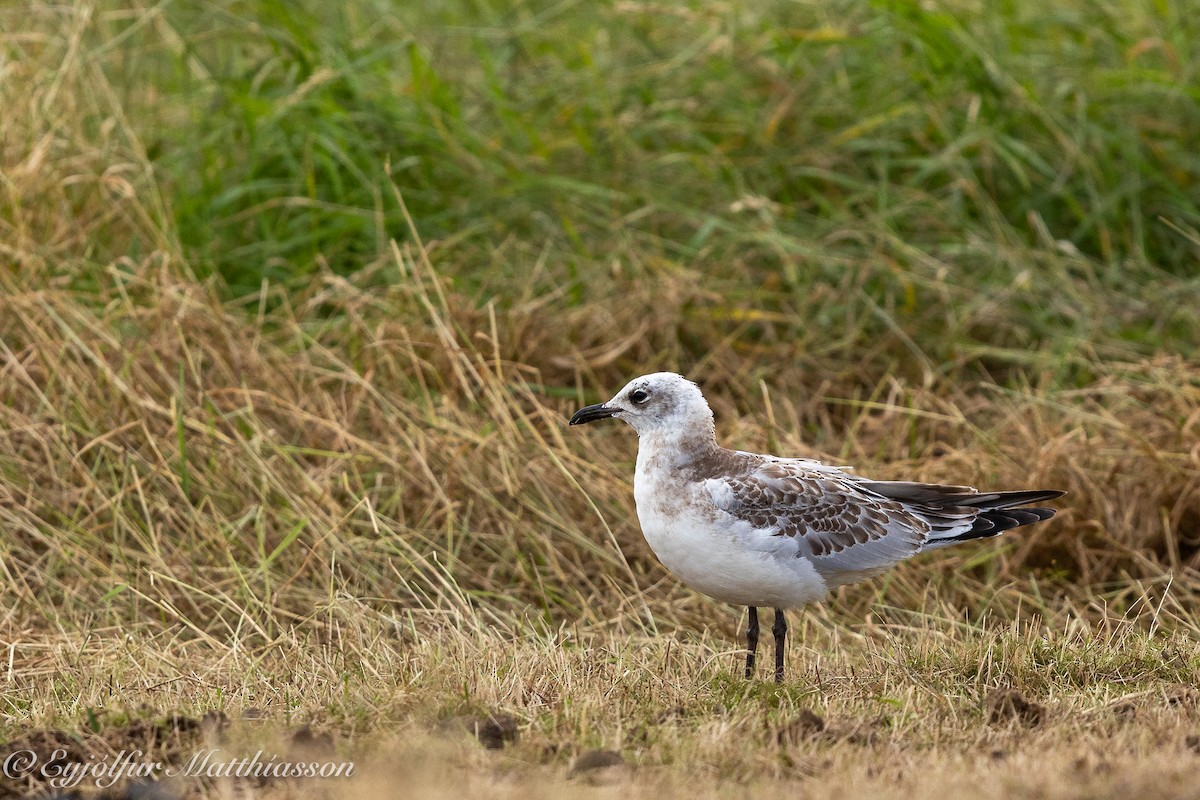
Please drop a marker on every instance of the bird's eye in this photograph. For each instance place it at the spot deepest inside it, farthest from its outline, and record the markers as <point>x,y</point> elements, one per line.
<point>639,396</point>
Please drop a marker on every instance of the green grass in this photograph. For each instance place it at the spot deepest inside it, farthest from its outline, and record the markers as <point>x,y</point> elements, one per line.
<point>295,299</point>
<point>985,179</point>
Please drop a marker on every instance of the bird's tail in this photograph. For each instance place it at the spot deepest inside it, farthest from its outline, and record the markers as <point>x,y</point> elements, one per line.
<point>960,514</point>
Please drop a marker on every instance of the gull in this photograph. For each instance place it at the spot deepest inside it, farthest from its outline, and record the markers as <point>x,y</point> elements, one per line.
<point>763,531</point>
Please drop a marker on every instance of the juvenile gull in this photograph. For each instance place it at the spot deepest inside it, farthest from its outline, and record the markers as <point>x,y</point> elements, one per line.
<point>757,530</point>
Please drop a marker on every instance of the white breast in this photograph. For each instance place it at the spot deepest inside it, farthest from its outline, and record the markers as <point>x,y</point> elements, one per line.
<point>714,553</point>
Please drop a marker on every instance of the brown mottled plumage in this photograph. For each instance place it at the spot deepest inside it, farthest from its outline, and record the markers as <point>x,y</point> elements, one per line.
<point>760,530</point>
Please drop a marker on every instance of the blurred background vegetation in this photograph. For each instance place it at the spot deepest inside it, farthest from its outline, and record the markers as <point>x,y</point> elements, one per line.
<point>293,284</point>
<point>1002,176</point>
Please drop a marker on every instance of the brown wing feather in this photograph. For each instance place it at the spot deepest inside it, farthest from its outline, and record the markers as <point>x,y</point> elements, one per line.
<point>848,526</point>
<point>824,511</point>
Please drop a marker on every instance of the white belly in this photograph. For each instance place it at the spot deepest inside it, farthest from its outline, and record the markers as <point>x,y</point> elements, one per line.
<point>709,551</point>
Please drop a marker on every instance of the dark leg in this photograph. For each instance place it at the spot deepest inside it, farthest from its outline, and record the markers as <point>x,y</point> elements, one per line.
<point>751,641</point>
<point>780,631</point>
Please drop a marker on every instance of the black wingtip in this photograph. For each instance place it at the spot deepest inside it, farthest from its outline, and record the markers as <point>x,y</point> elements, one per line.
<point>995,521</point>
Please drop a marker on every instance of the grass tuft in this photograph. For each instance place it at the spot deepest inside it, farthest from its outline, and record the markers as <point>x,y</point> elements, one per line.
<point>295,299</point>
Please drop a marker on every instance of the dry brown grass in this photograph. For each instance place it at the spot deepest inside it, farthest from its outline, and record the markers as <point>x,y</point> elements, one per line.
<point>354,503</point>
<point>375,523</point>
<point>168,455</point>
<point>887,707</point>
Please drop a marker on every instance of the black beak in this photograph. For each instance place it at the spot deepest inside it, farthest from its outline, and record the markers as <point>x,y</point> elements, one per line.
<point>592,413</point>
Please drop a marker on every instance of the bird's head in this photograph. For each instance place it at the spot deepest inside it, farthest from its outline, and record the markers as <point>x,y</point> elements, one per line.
<point>659,403</point>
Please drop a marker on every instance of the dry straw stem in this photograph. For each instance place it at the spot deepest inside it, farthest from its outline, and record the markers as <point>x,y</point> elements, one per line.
<point>890,707</point>
<point>375,524</point>
<point>353,502</point>
<point>165,455</point>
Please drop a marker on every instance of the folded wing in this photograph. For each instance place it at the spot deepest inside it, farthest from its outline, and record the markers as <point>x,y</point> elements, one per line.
<point>851,528</point>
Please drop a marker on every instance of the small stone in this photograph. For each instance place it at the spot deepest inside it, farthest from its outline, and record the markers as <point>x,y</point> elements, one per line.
<point>1006,705</point>
<point>309,743</point>
<point>493,731</point>
<point>600,767</point>
<point>179,723</point>
<point>806,725</point>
